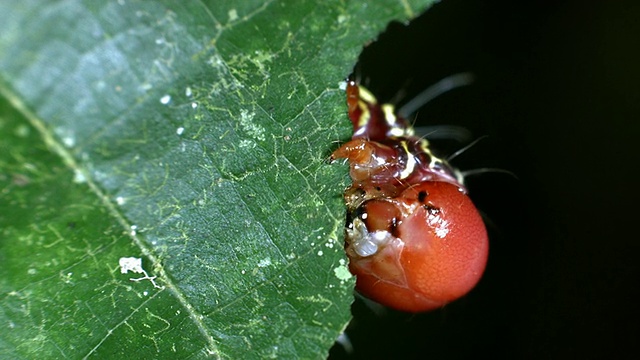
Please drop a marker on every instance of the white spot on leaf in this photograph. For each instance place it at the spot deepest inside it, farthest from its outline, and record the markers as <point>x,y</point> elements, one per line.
<point>134,265</point>
<point>254,130</point>
<point>247,144</point>
<point>78,177</point>
<point>264,262</point>
<point>130,264</point>
<point>342,272</point>
<point>233,15</point>
<point>69,141</point>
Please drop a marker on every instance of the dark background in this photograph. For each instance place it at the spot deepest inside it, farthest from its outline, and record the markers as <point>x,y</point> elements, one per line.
<point>557,91</point>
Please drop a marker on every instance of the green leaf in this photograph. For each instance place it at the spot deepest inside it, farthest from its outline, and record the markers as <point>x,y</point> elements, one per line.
<point>193,136</point>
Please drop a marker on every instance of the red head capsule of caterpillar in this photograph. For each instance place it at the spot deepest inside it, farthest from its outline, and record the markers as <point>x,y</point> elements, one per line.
<point>414,238</point>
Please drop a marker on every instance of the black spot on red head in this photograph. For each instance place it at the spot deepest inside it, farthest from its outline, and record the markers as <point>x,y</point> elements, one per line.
<point>432,210</point>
